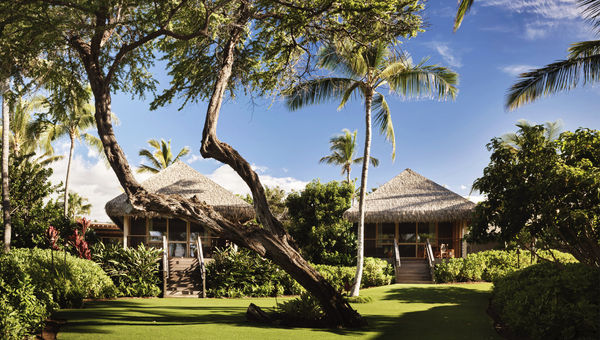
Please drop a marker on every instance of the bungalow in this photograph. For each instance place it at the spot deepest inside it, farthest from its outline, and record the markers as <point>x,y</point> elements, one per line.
<point>149,228</point>
<point>411,209</point>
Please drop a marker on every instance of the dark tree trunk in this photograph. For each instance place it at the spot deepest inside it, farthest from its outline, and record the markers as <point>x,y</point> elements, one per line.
<point>5,153</point>
<point>269,240</point>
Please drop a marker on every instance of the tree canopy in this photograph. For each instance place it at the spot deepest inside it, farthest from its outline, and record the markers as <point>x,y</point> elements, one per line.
<point>547,189</point>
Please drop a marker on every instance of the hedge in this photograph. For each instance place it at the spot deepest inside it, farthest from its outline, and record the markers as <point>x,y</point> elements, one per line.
<point>550,301</point>
<point>490,265</point>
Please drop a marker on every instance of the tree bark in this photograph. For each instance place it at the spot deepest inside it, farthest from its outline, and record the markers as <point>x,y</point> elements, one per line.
<point>72,138</point>
<point>360,240</point>
<point>269,240</point>
<point>5,179</point>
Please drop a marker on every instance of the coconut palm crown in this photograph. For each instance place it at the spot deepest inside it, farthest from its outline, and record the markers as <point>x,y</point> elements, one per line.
<point>368,70</point>
<point>162,156</point>
<point>343,150</point>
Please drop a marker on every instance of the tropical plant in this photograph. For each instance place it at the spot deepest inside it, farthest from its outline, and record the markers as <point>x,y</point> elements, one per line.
<point>367,70</point>
<point>343,149</point>
<point>317,225</point>
<point>582,63</point>
<point>551,130</point>
<point>72,118</point>
<point>78,206</point>
<point>162,156</point>
<point>543,192</point>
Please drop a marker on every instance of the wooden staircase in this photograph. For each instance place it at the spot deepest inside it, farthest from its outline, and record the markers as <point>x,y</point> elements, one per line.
<point>184,277</point>
<point>413,271</point>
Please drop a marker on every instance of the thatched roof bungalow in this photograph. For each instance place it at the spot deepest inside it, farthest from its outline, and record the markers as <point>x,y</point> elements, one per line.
<point>149,227</point>
<point>411,209</point>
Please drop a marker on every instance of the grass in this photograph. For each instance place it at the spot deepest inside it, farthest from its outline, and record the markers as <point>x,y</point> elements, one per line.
<point>396,312</point>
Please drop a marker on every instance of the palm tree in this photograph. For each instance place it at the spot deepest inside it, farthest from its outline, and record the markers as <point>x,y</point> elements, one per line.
<point>343,148</point>
<point>78,206</point>
<point>583,62</point>
<point>162,156</point>
<point>367,69</point>
<point>551,131</point>
<point>72,120</point>
<point>28,135</point>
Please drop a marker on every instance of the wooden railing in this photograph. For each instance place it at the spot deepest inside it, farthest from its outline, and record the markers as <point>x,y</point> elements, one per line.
<point>430,258</point>
<point>200,255</point>
<point>165,259</point>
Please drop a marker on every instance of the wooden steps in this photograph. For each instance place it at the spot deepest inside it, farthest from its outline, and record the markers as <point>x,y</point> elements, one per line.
<point>183,278</point>
<point>413,271</point>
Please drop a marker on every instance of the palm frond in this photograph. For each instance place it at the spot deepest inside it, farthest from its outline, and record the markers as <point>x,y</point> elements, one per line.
<point>383,119</point>
<point>463,8</point>
<point>45,160</point>
<point>150,157</point>
<point>591,12</point>
<point>559,76</point>
<point>184,151</point>
<point>374,161</point>
<point>342,57</point>
<point>348,93</point>
<point>95,143</point>
<point>146,168</point>
<point>430,81</point>
<point>316,91</point>
<point>584,49</point>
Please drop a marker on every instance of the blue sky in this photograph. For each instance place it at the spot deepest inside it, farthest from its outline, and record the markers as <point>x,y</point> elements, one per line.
<point>444,141</point>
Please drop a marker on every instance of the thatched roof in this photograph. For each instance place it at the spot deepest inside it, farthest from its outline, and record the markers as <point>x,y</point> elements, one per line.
<point>410,197</point>
<point>181,179</point>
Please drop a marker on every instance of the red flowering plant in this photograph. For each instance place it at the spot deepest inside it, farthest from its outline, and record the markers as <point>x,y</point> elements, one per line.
<point>78,240</point>
<point>52,236</point>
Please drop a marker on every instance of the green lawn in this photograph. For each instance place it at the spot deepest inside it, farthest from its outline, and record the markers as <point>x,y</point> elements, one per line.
<point>396,312</point>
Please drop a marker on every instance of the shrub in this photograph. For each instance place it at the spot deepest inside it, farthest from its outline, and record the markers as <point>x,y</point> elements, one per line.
<point>134,271</point>
<point>549,300</point>
<point>304,310</point>
<point>491,265</point>
<point>69,279</point>
<point>23,307</point>
<point>244,273</point>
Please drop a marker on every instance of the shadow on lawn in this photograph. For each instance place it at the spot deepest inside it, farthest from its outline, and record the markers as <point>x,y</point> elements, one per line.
<point>98,315</point>
<point>461,316</point>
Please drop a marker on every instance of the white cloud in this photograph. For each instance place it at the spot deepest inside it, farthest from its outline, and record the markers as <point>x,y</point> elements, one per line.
<point>475,198</point>
<point>229,179</point>
<point>259,169</point>
<point>194,158</point>
<point>515,70</point>
<point>550,9</point>
<point>447,54</point>
<point>463,187</point>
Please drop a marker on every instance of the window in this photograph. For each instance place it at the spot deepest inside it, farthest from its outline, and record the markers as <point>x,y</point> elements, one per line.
<point>157,229</point>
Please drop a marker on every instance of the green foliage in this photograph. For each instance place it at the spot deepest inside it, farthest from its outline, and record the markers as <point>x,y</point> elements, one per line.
<point>32,209</point>
<point>317,225</point>
<point>134,271</point>
<point>550,301</point>
<point>68,278</point>
<point>304,310</point>
<point>23,306</point>
<point>544,189</point>
<point>492,265</point>
<point>162,156</point>
<point>359,299</point>
<point>244,273</point>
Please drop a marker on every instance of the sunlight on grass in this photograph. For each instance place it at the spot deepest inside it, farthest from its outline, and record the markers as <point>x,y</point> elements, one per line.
<point>397,311</point>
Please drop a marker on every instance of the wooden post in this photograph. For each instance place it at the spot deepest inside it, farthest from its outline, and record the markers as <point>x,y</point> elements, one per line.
<point>165,265</point>
<point>125,231</point>
<point>202,267</point>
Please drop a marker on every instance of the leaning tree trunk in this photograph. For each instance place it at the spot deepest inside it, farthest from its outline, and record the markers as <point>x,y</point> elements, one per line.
<point>72,137</point>
<point>269,240</point>
<point>5,153</point>
<point>360,240</point>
